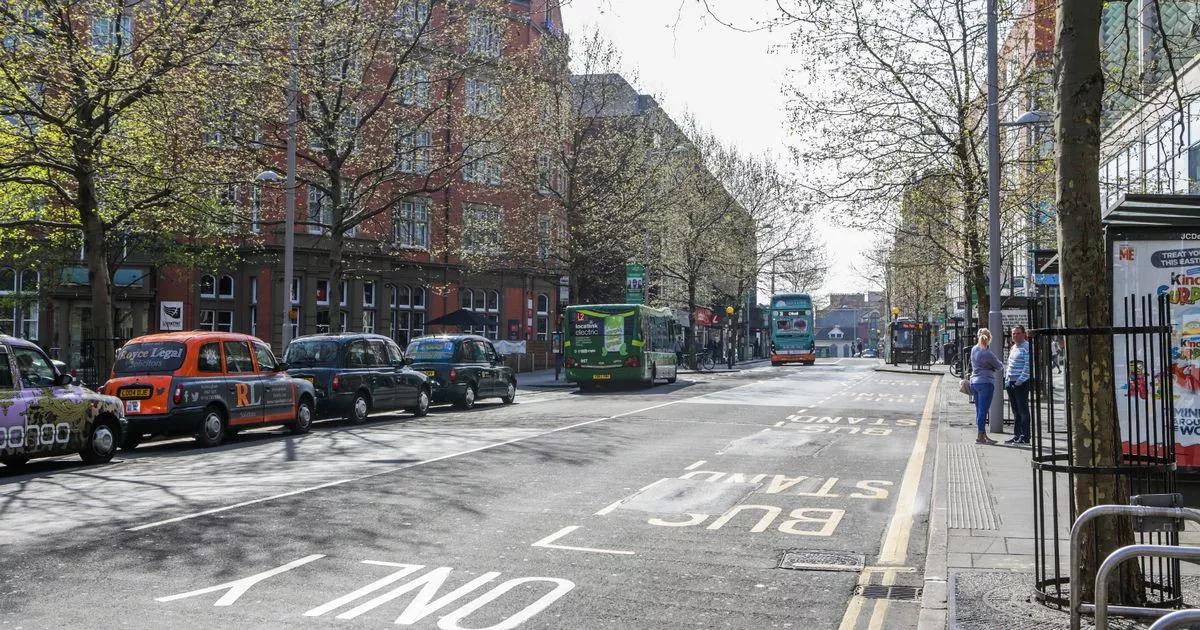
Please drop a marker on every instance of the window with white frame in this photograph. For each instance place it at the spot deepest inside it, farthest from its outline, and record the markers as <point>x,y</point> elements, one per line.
<point>342,62</point>
<point>323,322</point>
<point>408,313</point>
<point>368,293</point>
<point>483,164</point>
<point>23,33</point>
<point>255,210</point>
<point>343,293</point>
<point>296,282</point>
<point>252,314</point>
<point>320,211</point>
<point>484,98</point>
<point>216,320</point>
<point>485,35</point>
<point>368,321</point>
<point>254,289</point>
<point>543,240</point>
<point>225,287</point>
<point>486,303</point>
<point>343,131</point>
<point>322,293</point>
<point>410,224</point>
<point>19,313</point>
<point>107,31</point>
<point>414,148</point>
<point>414,86</point>
<point>481,229</point>
<point>208,286</point>
<point>412,16</point>
<point>295,322</point>
<point>543,317</point>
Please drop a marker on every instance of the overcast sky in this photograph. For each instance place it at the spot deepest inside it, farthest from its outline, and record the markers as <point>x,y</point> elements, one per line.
<point>730,81</point>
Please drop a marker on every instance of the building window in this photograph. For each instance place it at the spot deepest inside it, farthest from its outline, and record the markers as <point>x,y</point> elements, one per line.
<point>1193,167</point>
<point>483,98</point>
<point>543,241</point>
<point>254,289</point>
<point>410,225</point>
<point>368,325</point>
<point>412,16</point>
<point>483,164</point>
<point>295,323</point>
<point>481,229</point>
<point>486,303</point>
<point>322,293</point>
<point>368,290</point>
<point>255,210</point>
<point>414,152</point>
<point>343,293</point>
<point>543,317</point>
<point>216,321</point>
<point>342,63</point>
<point>19,313</point>
<point>414,86</point>
<point>225,287</point>
<point>208,286</point>
<point>484,36</point>
<point>296,290</point>
<point>108,31</point>
<point>323,322</point>
<point>253,315</point>
<point>320,211</point>
<point>493,301</point>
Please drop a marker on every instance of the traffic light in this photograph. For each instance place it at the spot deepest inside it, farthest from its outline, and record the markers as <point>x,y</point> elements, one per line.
<point>729,310</point>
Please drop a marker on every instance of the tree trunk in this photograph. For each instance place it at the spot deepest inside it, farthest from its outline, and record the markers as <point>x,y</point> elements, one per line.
<point>689,336</point>
<point>336,270</point>
<point>1085,292</point>
<point>99,279</point>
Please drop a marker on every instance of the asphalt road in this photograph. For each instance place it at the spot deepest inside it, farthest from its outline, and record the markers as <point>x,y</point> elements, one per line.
<point>664,508</point>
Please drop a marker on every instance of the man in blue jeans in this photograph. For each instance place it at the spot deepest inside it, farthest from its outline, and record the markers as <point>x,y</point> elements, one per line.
<point>1016,383</point>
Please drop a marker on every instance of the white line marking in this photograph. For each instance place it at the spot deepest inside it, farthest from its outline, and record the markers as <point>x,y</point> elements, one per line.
<point>780,424</point>
<point>546,543</point>
<point>608,510</point>
<point>697,464</point>
<point>405,571</point>
<point>415,464</point>
<point>237,588</point>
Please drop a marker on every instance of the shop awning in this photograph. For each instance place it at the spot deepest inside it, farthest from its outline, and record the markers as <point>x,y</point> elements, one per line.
<point>1154,210</point>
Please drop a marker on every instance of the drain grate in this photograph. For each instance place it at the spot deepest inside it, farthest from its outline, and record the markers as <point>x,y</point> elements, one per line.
<point>813,560</point>
<point>879,591</point>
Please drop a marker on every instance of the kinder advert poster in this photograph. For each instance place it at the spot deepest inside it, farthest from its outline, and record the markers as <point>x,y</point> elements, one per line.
<point>1171,268</point>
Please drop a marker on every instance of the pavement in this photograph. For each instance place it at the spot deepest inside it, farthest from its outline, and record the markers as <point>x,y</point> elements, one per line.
<point>980,567</point>
<point>770,497</point>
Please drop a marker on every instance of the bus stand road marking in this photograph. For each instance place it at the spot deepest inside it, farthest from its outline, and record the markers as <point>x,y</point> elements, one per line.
<point>548,543</point>
<point>616,504</point>
<point>896,540</point>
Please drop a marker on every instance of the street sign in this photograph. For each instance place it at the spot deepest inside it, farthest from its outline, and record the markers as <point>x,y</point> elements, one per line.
<point>1045,261</point>
<point>1050,279</point>
<point>635,284</point>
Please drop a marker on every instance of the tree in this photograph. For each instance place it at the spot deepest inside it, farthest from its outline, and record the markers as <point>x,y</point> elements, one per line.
<point>92,97</point>
<point>902,98</point>
<point>381,126</point>
<point>1086,298</point>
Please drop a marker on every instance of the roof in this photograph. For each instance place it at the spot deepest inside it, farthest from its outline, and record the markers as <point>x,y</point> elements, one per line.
<point>343,335</point>
<point>1154,211</point>
<point>198,335</point>
<point>453,336</point>
<point>17,341</point>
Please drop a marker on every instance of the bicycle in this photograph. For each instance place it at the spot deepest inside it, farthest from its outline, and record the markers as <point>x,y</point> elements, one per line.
<point>703,361</point>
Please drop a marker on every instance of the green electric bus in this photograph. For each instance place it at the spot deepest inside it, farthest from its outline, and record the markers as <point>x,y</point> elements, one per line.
<point>618,343</point>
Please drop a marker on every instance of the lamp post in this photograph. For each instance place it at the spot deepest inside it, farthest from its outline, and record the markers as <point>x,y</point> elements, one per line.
<point>289,203</point>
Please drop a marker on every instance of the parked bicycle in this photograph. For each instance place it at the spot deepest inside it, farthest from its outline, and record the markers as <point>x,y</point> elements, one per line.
<point>700,361</point>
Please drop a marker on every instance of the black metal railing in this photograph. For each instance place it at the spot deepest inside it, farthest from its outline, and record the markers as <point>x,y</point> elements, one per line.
<point>1065,480</point>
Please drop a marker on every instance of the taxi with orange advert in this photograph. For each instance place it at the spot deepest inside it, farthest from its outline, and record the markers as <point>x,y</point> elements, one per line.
<point>206,384</point>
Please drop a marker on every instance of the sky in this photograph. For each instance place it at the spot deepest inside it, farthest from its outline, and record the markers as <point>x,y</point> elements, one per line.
<point>731,82</point>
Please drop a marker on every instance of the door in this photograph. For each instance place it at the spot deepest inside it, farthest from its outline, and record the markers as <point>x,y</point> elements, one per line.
<point>244,383</point>
<point>408,381</point>
<point>360,371</point>
<point>383,374</point>
<point>55,418</point>
<point>494,370</point>
<point>278,396</point>
<point>12,417</point>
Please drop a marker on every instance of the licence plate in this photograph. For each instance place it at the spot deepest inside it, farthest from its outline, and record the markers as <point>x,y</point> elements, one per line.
<point>312,380</point>
<point>429,372</point>
<point>133,406</point>
<point>601,377</point>
<point>134,392</point>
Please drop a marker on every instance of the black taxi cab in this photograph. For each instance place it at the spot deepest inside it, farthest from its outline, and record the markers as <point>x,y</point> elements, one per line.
<point>463,369</point>
<point>356,374</point>
<point>206,384</point>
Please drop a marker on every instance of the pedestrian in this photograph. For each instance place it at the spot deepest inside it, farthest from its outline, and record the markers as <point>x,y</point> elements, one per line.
<point>712,349</point>
<point>679,351</point>
<point>1055,350</point>
<point>860,347</point>
<point>984,365</point>
<point>1016,379</point>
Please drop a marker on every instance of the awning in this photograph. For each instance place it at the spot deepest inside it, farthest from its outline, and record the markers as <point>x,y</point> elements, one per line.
<point>1154,210</point>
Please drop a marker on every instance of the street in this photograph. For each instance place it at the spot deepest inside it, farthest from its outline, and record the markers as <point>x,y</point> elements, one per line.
<point>697,504</point>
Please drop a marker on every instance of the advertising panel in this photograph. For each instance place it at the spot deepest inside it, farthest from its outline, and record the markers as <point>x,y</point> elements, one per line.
<point>170,316</point>
<point>635,284</point>
<point>1171,267</point>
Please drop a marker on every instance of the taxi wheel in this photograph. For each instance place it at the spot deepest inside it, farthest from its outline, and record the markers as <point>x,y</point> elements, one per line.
<point>468,398</point>
<point>101,445</point>
<point>509,397</point>
<point>303,420</point>
<point>212,428</point>
<point>15,461</point>
<point>360,410</point>
<point>422,407</point>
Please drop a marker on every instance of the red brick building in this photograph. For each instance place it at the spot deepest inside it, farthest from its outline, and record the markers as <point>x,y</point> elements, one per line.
<point>403,267</point>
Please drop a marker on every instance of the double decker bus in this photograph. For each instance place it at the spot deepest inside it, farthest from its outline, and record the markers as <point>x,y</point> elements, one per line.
<point>612,343</point>
<point>792,329</point>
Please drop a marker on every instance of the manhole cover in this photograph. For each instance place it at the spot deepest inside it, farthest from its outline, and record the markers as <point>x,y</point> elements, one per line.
<point>879,591</point>
<point>810,560</point>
